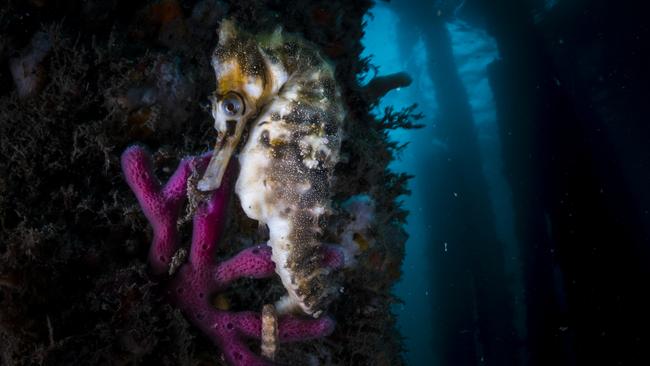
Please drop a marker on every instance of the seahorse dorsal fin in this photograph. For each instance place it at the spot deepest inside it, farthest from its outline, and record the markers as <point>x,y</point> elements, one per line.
<point>276,37</point>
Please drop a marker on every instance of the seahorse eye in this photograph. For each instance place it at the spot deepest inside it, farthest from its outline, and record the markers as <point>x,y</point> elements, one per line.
<point>232,105</point>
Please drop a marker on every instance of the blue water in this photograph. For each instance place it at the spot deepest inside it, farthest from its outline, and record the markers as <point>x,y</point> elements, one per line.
<point>473,51</point>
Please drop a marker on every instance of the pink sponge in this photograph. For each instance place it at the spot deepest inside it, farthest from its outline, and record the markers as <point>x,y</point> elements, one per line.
<point>202,276</point>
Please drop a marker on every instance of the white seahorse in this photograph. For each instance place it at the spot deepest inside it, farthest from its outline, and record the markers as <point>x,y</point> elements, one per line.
<point>284,93</point>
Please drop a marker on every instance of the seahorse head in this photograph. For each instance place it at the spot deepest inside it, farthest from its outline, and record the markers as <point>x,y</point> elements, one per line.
<point>248,74</point>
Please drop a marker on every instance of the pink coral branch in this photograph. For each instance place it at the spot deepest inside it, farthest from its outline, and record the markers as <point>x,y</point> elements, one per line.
<point>161,205</point>
<point>253,262</point>
<point>195,282</point>
<point>209,221</point>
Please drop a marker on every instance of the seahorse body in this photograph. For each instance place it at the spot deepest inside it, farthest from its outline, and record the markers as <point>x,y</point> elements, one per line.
<point>287,162</point>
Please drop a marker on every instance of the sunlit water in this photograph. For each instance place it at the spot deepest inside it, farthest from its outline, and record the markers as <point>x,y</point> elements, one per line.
<point>473,51</point>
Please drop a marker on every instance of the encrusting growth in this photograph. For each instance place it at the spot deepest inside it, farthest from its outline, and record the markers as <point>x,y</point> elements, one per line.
<point>196,281</point>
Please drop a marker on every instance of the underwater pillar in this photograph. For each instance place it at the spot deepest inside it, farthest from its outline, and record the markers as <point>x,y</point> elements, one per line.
<point>475,318</point>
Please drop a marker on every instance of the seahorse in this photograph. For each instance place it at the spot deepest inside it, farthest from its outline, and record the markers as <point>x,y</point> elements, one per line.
<point>278,88</point>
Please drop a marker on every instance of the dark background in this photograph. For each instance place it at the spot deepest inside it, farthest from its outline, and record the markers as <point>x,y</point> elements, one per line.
<point>569,87</point>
